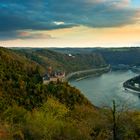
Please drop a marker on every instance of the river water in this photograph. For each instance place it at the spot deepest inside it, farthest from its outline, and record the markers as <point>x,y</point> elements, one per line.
<point>102,90</point>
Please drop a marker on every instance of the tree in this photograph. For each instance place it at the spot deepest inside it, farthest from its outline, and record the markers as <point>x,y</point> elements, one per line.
<point>114,121</point>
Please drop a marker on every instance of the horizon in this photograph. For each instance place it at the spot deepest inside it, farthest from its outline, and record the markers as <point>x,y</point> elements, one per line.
<point>76,23</point>
<point>25,47</point>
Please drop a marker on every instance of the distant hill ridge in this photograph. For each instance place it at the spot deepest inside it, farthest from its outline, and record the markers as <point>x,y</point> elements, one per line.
<point>114,56</point>
<point>64,62</point>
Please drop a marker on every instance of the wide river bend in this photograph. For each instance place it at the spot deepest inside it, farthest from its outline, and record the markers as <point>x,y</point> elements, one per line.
<point>102,90</point>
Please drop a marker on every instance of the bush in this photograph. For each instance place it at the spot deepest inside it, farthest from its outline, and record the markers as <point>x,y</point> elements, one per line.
<point>14,115</point>
<point>49,123</point>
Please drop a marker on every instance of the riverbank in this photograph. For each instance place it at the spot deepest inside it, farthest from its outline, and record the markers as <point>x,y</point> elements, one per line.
<point>79,75</point>
<point>133,84</point>
<point>88,76</point>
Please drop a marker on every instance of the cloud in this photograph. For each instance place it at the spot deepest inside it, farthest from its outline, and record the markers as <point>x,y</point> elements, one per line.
<point>30,35</point>
<point>59,23</point>
<point>56,14</point>
<point>23,35</point>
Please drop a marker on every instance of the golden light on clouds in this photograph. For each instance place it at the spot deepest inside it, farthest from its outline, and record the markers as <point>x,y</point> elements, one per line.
<point>51,23</point>
<point>83,37</point>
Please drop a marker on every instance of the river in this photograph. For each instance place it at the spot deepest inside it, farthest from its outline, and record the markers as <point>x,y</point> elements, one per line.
<point>101,90</point>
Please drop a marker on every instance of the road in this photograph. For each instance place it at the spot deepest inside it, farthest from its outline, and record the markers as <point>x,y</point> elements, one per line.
<point>86,71</point>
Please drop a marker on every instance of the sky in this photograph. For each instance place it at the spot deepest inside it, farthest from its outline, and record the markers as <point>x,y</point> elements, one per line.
<point>69,23</point>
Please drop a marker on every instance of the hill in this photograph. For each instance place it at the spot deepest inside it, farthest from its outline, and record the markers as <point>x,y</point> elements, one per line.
<point>30,110</point>
<point>126,56</point>
<point>21,82</point>
<point>114,56</point>
<point>18,79</point>
<point>65,62</point>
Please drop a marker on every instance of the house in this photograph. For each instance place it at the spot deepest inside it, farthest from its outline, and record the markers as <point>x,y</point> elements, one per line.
<point>137,85</point>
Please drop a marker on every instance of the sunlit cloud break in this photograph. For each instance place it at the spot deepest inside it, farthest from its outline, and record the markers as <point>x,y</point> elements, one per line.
<point>52,15</point>
<point>58,23</point>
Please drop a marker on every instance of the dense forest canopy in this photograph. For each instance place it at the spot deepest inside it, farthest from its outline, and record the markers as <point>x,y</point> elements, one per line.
<point>21,82</point>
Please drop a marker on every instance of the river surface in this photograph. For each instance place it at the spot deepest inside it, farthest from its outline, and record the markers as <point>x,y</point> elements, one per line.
<point>101,90</point>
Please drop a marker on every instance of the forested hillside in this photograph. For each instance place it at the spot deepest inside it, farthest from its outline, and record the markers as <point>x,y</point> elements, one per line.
<point>21,81</point>
<point>19,78</point>
<point>30,110</point>
<point>126,56</point>
<point>114,56</point>
<point>65,62</point>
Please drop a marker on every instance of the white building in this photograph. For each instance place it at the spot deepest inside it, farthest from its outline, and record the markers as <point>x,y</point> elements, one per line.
<point>137,85</point>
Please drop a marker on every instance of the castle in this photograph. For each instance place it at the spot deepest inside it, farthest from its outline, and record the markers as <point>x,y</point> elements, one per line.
<point>53,76</point>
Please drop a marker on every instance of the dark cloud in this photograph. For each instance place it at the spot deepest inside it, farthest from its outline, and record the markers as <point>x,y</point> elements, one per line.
<point>42,14</point>
<point>8,35</point>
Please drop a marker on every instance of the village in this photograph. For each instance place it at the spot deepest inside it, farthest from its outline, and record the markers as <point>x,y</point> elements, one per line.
<point>53,76</point>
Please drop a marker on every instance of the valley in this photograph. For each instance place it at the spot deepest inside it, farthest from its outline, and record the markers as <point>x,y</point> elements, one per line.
<point>30,109</point>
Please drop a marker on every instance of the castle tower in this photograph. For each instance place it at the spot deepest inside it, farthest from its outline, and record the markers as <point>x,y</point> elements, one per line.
<point>49,70</point>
